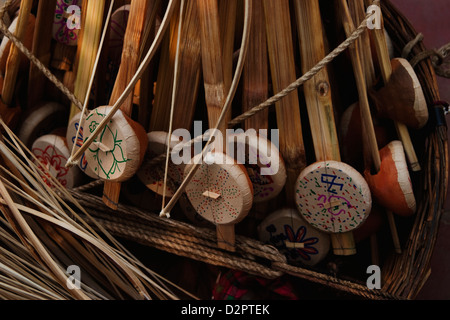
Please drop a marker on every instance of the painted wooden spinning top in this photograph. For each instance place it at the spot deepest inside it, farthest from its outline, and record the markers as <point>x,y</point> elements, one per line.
<point>294,237</point>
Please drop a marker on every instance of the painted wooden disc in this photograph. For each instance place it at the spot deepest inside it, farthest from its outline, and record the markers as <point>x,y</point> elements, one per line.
<point>118,150</point>
<point>264,165</point>
<point>301,243</point>
<point>220,193</point>
<point>52,152</point>
<point>153,177</point>
<point>72,130</point>
<point>61,31</point>
<point>41,121</point>
<point>392,186</point>
<point>333,197</point>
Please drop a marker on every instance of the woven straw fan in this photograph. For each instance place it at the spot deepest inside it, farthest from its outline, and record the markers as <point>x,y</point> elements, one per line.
<point>282,67</point>
<point>23,27</point>
<point>329,192</point>
<point>184,92</point>
<point>255,80</point>
<point>221,192</point>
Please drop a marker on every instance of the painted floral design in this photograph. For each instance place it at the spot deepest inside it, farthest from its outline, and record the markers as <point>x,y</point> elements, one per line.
<point>61,32</point>
<point>108,162</point>
<point>49,158</point>
<point>300,237</point>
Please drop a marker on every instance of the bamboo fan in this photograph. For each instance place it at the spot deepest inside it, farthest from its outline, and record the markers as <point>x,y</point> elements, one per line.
<point>254,141</point>
<point>9,109</point>
<point>185,95</point>
<point>282,67</point>
<point>116,170</point>
<point>336,213</point>
<point>219,189</point>
<point>88,47</point>
<point>401,191</point>
<point>411,95</point>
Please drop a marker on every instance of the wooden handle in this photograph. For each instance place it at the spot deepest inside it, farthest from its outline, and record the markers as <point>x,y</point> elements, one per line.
<point>318,96</point>
<point>282,67</point>
<point>128,66</point>
<point>42,40</point>
<point>386,72</point>
<point>13,63</point>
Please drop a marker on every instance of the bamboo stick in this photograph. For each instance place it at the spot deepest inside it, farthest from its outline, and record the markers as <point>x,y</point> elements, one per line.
<point>128,66</point>
<point>215,88</point>
<point>14,57</point>
<point>282,66</point>
<point>386,72</point>
<point>319,100</point>
<point>89,47</point>
<point>41,49</point>
<point>368,128</point>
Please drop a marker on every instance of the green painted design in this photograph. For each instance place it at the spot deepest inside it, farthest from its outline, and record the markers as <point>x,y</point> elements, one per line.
<point>108,163</point>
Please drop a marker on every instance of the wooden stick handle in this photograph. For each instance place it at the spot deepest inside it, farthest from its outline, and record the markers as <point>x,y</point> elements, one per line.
<point>386,72</point>
<point>12,67</point>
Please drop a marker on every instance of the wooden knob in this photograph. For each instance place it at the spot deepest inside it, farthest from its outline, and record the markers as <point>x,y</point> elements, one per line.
<point>301,243</point>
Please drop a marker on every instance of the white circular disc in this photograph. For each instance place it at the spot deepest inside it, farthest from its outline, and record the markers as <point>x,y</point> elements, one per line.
<point>220,193</point>
<point>333,197</point>
<point>301,243</point>
<point>52,152</point>
<point>115,155</point>
<point>264,164</point>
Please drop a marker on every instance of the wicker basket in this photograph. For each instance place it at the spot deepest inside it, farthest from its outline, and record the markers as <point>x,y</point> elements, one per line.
<point>403,274</point>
